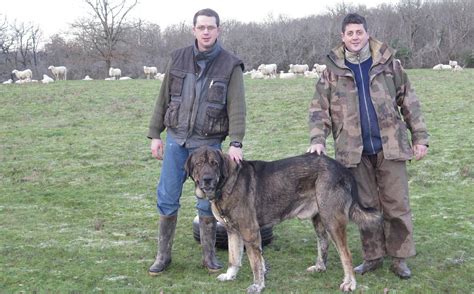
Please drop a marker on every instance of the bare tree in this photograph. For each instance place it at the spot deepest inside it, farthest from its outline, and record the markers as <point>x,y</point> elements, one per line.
<point>105,29</point>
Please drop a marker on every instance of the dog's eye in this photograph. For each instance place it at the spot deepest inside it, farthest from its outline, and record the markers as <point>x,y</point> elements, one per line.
<point>214,163</point>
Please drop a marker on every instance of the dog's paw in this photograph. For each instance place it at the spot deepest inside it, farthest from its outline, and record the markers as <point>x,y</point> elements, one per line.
<point>225,277</point>
<point>317,268</point>
<point>348,285</point>
<point>255,288</point>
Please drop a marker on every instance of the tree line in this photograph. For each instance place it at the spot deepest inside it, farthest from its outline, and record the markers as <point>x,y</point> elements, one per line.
<point>424,33</point>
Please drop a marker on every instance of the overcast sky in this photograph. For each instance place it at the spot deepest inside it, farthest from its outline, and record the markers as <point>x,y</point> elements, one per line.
<point>54,16</point>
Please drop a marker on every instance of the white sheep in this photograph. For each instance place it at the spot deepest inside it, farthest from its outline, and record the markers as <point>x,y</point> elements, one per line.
<point>9,81</point>
<point>311,74</point>
<point>268,69</point>
<point>160,76</point>
<point>457,68</point>
<point>59,72</point>
<point>287,76</point>
<point>24,75</point>
<point>298,68</point>
<point>446,66</point>
<point>115,73</point>
<point>453,63</point>
<point>87,78</point>
<point>257,75</point>
<point>439,66</point>
<point>47,79</point>
<point>125,78</point>
<point>150,71</point>
<point>319,68</point>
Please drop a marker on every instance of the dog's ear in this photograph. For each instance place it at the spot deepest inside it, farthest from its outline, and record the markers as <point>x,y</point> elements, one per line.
<point>188,167</point>
<point>224,163</point>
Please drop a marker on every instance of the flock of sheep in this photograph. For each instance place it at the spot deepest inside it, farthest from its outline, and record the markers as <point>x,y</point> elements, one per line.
<point>264,71</point>
<point>269,71</point>
<point>453,65</point>
<point>60,73</point>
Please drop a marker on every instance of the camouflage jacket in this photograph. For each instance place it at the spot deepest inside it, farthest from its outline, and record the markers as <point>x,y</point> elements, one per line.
<point>335,107</point>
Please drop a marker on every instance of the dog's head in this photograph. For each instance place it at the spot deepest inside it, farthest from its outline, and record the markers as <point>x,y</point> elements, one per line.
<point>208,168</point>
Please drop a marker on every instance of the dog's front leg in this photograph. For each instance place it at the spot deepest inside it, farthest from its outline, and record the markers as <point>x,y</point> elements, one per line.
<point>254,253</point>
<point>236,249</point>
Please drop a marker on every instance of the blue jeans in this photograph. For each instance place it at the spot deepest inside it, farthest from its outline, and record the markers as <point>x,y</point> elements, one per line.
<point>172,178</point>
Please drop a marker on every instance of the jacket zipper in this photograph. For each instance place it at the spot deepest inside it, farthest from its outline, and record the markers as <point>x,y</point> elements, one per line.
<point>365,103</point>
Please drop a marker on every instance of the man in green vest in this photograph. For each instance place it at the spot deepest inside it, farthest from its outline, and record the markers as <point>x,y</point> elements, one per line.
<point>201,102</point>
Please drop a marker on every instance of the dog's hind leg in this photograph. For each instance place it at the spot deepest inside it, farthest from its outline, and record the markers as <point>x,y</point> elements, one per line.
<point>236,250</point>
<point>323,245</point>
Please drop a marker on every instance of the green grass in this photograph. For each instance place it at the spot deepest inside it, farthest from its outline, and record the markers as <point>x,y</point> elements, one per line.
<point>77,193</point>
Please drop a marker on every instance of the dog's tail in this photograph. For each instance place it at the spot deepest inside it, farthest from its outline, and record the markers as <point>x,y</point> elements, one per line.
<point>364,217</point>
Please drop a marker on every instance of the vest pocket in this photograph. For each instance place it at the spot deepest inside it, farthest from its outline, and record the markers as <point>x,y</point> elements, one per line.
<point>216,122</point>
<point>217,92</point>
<point>176,83</point>
<point>172,115</point>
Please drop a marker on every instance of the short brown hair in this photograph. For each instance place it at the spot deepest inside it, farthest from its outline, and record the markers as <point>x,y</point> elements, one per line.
<point>207,12</point>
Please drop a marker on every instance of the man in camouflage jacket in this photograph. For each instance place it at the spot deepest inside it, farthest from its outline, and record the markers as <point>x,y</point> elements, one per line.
<point>365,99</point>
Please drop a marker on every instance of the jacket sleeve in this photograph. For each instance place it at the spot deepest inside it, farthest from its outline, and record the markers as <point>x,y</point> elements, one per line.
<point>319,115</point>
<point>410,108</point>
<point>157,126</point>
<point>236,108</point>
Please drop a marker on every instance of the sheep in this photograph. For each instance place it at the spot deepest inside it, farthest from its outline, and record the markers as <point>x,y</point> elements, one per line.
<point>125,78</point>
<point>298,68</point>
<point>446,66</point>
<point>311,74</point>
<point>319,68</point>
<point>160,76</point>
<point>453,63</point>
<point>287,76</point>
<point>150,71</point>
<point>9,81</point>
<point>268,69</point>
<point>26,74</point>
<point>439,66</point>
<point>87,78</point>
<point>115,73</point>
<point>46,79</point>
<point>59,72</point>
<point>457,68</point>
<point>257,75</point>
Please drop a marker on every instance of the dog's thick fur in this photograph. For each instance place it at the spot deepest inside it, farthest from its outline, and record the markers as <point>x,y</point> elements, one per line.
<point>254,194</point>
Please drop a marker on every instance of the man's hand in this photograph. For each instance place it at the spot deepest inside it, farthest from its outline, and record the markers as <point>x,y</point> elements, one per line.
<point>236,154</point>
<point>318,148</point>
<point>420,151</point>
<point>157,148</point>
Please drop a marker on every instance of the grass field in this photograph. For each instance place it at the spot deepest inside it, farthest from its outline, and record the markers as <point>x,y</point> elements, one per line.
<point>77,193</point>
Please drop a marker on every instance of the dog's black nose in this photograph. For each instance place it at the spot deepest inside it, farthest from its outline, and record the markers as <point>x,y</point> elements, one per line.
<point>207,180</point>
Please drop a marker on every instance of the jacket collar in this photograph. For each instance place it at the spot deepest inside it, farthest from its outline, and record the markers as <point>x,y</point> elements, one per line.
<point>379,51</point>
<point>208,55</point>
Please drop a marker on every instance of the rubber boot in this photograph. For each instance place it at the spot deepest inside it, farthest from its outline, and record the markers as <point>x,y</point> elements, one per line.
<point>207,233</point>
<point>400,268</point>
<point>165,242</point>
<point>368,266</point>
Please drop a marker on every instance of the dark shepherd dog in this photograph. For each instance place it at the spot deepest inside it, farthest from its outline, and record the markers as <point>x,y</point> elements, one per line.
<point>255,194</point>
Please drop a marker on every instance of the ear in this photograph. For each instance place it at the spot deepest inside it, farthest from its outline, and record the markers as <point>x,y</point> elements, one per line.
<point>188,167</point>
<point>224,164</point>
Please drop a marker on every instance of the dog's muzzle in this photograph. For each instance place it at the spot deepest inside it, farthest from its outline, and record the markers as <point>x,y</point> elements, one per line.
<point>208,186</point>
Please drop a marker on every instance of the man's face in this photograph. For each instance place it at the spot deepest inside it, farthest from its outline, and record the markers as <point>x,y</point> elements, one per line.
<point>206,32</point>
<point>355,37</point>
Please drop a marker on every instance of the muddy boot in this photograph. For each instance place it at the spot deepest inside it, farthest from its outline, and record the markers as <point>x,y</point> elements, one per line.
<point>165,242</point>
<point>207,233</point>
<point>368,266</point>
<point>400,268</point>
